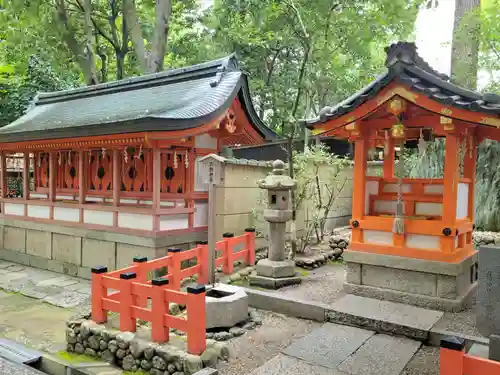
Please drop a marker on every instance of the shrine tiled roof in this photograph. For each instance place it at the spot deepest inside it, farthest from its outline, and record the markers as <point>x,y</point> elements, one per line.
<point>172,100</point>
<point>404,65</point>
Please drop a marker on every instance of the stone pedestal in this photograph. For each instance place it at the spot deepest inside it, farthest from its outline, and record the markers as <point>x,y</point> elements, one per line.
<point>429,284</point>
<point>226,305</point>
<point>274,274</point>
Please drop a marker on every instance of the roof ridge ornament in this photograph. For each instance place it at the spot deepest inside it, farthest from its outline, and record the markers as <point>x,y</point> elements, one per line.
<point>218,76</point>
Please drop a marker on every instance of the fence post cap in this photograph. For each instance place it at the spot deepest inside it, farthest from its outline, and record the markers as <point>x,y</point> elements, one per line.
<point>453,343</point>
<point>250,230</point>
<point>99,269</point>
<point>174,250</point>
<point>196,289</point>
<point>202,242</point>
<point>128,275</point>
<point>228,235</point>
<point>140,259</point>
<point>159,281</point>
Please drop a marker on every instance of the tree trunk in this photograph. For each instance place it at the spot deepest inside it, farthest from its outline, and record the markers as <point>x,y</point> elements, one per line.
<point>159,45</point>
<point>89,50</point>
<point>134,29</point>
<point>465,44</point>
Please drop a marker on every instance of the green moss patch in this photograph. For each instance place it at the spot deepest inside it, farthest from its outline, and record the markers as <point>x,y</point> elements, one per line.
<point>74,358</point>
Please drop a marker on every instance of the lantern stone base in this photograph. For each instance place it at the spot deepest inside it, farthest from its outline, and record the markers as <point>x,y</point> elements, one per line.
<point>274,274</point>
<point>429,284</point>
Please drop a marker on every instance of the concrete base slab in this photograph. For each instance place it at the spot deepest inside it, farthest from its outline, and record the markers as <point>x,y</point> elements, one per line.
<point>282,364</point>
<point>381,354</point>
<point>272,283</point>
<point>275,269</point>
<point>329,345</point>
<point>384,316</point>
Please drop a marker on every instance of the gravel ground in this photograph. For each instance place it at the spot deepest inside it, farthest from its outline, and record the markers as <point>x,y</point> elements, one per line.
<point>256,347</point>
<point>424,362</point>
<point>462,322</point>
<point>324,284</point>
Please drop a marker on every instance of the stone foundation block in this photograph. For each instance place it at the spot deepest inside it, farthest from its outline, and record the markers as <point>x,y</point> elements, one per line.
<point>39,243</point>
<point>226,305</point>
<point>98,253</point>
<point>275,269</point>
<point>67,248</point>
<point>125,254</point>
<point>272,283</point>
<point>353,273</point>
<point>14,239</point>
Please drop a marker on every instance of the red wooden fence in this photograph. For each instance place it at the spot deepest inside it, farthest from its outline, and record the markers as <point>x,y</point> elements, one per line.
<point>134,289</point>
<point>454,361</point>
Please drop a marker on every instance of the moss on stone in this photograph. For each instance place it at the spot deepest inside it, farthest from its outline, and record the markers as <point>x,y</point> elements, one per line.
<point>74,358</point>
<point>302,272</point>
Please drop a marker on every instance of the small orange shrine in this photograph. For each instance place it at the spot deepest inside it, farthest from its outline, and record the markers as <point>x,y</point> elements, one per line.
<point>412,237</point>
<point>122,157</point>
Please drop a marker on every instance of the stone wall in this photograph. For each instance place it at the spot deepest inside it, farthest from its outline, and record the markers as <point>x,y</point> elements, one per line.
<point>74,251</point>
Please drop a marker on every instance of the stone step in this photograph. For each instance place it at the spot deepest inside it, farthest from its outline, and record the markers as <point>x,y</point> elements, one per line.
<point>383,316</point>
<point>478,350</point>
<point>329,345</point>
<point>18,353</point>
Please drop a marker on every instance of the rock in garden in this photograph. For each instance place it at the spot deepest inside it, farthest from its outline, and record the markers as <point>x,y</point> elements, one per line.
<point>236,331</point>
<point>174,309</point>
<point>235,277</point>
<point>146,365</point>
<point>169,354</point>
<point>128,362</point>
<point>108,356</point>
<point>79,338</point>
<point>209,335</point>
<point>159,363</point>
<point>70,348</point>
<point>342,244</point>
<point>171,368</point>
<point>113,346</point>
<point>209,358</point>
<point>70,336</point>
<point>222,336</point>
<point>178,373</point>
<point>85,328</point>
<point>94,342</point>
<point>137,347</point>
<point>106,335</point>
<point>155,371</point>
<point>90,352</point>
<point>192,364</point>
<point>250,325</point>
<point>123,339</point>
<point>79,348</point>
<point>120,353</point>
<point>149,353</point>
<point>337,252</point>
<point>103,345</point>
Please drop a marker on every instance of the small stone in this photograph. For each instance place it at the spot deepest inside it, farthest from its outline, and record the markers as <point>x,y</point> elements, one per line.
<point>174,309</point>
<point>209,335</point>
<point>85,343</point>
<point>94,342</point>
<point>337,252</point>
<point>155,371</point>
<point>99,354</point>
<point>108,356</point>
<point>123,339</point>
<point>121,353</point>
<point>137,348</point>
<point>159,363</point>
<point>169,354</point>
<point>79,338</point>
<point>178,373</point>
<point>103,345</point>
<point>128,362</point>
<point>149,353</point>
<point>70,348</point>
<point>222,336</point>
<point>236,331</point>
<point>77,329</point>
<point>342,244</point>
<point>85,329</point>
<point>146,365</point>
<point>70,336</point>
<point>79,348</point>
<point>171,368</point>
<point>209,358</point>
<point>90,352</point>
<point>235,277</point>
<point>222,350</point>
<point>106,335</point>
<point>113,346</point>
<point>192,364</point>
<point>250,325</point>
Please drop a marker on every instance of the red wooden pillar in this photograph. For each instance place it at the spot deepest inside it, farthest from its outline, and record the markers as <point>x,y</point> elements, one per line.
<point>82,181</point>
<point>470,172</point>
<point>156,187</point>
<point>389,157</point>
<point>26,180</point>
<point>196,319</point>
<point>359,185</point>
<point>52,181</point>
<point>3,177</point>
<point>116,184</point>
<point>451,175</point>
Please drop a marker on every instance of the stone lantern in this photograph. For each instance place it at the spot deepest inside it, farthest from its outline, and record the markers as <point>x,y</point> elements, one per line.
<point>276,271</point>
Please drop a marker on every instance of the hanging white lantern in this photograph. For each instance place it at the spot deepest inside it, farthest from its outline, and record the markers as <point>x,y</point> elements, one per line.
<point>103,152</point>
<point>59,158</point>
<point>422,144</point>
<point>69,157</point>
<point>125,155</point>
<point>186,160</point>
<point>175,159</point>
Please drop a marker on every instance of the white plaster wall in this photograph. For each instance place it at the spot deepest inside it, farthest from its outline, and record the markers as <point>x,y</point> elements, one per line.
<point>67,214</point>
<point>167,204</point>
<point>128,201</point>
<point>65,197</point>
<point>42,212</point>
<point>147,202</point>
<point>371,188</point>
<point>14,209</point>
<point>429,208</point>
<point>422,241</point>
<point>433,189</point>
<point>386,206</point>
<point>393,188</point>
<point>201,175</point>
<point>39,196</point>
<point>94,199</point>
<point>462,200</point>
<point>377,237</point>
<point>205,141</point>
<point>98,217</point>
<point>135,221</point>
<point>201,214</point>
<point>173,222</point>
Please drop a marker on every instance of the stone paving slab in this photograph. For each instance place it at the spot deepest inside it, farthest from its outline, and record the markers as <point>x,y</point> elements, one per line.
<point>478,350</point>
<point>381,354</point>
<point>328,345</point>
<point>384,316</point>
<point>285,365</point>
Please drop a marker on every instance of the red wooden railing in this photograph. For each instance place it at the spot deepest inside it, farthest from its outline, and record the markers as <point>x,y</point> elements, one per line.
<point>134,289</point>
<point>454,360</point>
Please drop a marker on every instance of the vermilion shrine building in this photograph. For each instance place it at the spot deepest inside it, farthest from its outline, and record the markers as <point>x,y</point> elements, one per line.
<point>412,237</point>
<point>115,166</point>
